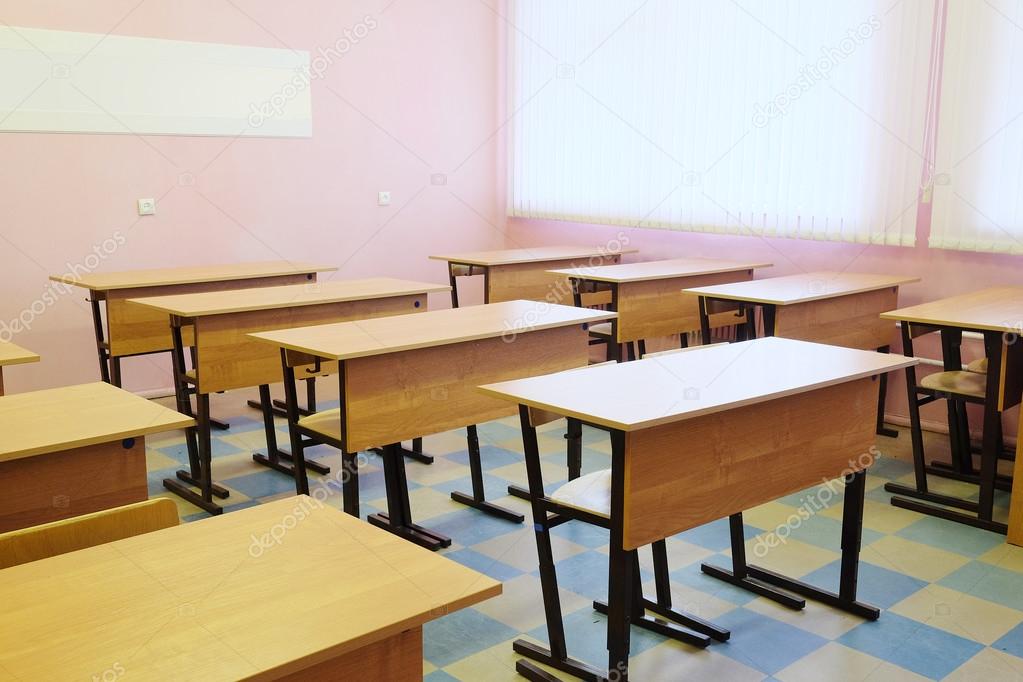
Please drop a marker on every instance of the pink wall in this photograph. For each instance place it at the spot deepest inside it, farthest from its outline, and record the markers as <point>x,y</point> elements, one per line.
<point>942,273</point>
<point>416,97</point>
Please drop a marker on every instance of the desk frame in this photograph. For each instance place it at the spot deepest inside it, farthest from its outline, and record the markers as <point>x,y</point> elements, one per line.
<point>363,379</point>
<point>631,526</point>
<point>1004,360</point>
<point>198,438</point>
<point>498,280</point>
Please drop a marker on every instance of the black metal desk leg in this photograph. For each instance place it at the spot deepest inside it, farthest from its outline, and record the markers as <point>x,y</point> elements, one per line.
<point>704,322</point>
<point>398,519</point>
<point>882,400</point>
<point>845,599</point>
<point>101,344</point>
<point>557,655</point>
<point>115,371</point>
<point>992,430</point>
<point>350,483</point>
<point>574,455</point>
<point>453,281</point>
<point>478,498</point>
<point>203,500</point>
<point>742,576</point>
<point>193,476</point>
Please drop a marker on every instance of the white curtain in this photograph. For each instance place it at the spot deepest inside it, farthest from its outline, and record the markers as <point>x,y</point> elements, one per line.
<point>794,118</point>
<point>978,175</point>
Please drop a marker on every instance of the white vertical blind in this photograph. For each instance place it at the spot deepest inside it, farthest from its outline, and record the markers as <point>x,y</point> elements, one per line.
<point>795,118</point>
<point>979,165</point>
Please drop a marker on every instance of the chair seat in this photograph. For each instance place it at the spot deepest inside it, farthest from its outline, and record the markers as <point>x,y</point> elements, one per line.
<point>602,330</point>
<point>958,383</point>
<point>590,493</point>
<point>979,366</point>
<point>326,423</point>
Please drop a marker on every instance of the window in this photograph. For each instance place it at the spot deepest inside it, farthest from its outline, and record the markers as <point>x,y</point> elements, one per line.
<point>790,118</point>
<point>978,175</point>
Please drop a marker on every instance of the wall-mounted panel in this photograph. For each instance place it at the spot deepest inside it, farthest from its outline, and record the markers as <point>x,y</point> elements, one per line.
<point>61,81</point>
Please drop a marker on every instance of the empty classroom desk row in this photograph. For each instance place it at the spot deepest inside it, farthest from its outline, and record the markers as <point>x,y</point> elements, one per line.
<point>692,435</point>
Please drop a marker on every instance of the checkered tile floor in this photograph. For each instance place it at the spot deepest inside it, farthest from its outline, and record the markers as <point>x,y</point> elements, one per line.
<point>952,595</point>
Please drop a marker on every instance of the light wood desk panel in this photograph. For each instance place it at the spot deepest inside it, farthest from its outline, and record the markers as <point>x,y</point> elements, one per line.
<point>396,397</point>
<point>647,296</point>
<point>522,274</point>
<point>288,590</point>
<point>131,330</point>
<point>74,450</point>
<point>13,354</point>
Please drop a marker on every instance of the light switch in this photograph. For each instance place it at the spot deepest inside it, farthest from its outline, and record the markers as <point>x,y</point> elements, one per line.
<point>384,199</point>
<point>147,206</point>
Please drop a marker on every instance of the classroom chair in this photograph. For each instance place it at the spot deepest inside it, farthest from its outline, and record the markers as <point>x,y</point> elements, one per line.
<point>588,499</point>
<point>79,532</point>
<point>958,388</point>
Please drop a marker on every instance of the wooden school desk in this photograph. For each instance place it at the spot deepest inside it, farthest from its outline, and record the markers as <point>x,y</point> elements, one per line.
<point>513,274</point>
<point>228,359</point>
<point>13,354</point>
<point>647,295</point>
<point>73,450</point>
<point>403,377</point>
<point>997,314</point>
<point>838,308</point>
<point>695,437</point>
<point>288,590</point>
<point>130,330</point>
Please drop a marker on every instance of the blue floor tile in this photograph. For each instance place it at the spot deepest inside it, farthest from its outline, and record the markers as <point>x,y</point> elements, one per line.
<point>462,634</point>
<point>1011,642</point>
<point>714,535</point>
<point>692,576</point>
<point>763,643</point>
<point>877,586</point>
<point>484,564</point>
<point>584,534</point>
<point>987,581</point>
<point>491,457</point>
<point>912,645</point>
<point>470,526</point>
<point>954,537</point>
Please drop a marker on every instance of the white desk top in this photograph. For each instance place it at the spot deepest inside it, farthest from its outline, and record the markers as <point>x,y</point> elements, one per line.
<point>658,269</point>
<point>810,286</point>
<point>59,419</point>
<point>537,254</point>
<point>363,338</point>
<point>130,279</point>
<point>996,309</point>
<point>668,388</point>
<point>291,296</point>
<point>259,593</point>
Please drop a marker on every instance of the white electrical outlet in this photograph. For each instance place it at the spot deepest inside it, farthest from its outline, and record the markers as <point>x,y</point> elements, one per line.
<point>147,206</point>
<point>383,199</point>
